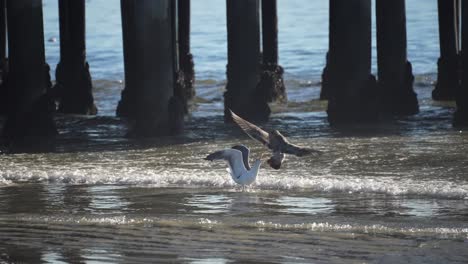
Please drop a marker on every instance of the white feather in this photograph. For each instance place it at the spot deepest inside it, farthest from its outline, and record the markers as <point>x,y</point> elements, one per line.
<point>239,173</point>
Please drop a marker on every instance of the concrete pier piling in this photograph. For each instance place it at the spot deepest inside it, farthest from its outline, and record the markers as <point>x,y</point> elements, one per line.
<point>3,39</point>
<point>124,108</point>
<point>352,89</point>
<point>178,103</point>
<point>149,57</point>
<point>271,83</point>
<point>448,63</point>
<point>73,88</point>
<point>461,114</point>
<point>325,85</point>
<point>243,34</point>
<point>159,67</point>
<point>185,57</point>
<point>29,107</point>
<point>3,56</point>
<point>395,77</point>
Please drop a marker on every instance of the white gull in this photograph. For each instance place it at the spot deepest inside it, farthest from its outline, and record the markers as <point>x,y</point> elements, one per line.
<point>238,160</point>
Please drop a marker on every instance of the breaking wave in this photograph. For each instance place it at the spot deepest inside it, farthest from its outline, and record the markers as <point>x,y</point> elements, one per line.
<point>203,177</point>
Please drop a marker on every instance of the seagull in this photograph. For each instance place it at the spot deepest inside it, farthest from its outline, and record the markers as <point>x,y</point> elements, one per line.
<point>238,160</point>
<point>273,140</point>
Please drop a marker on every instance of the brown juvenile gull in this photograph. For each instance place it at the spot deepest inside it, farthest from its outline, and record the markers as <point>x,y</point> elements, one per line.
<point>273,140</point>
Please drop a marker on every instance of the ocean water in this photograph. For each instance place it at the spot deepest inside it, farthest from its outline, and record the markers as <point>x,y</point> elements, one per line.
<point>395,193</point>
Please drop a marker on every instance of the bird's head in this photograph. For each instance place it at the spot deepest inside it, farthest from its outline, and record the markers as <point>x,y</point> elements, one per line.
<point>274,163</point>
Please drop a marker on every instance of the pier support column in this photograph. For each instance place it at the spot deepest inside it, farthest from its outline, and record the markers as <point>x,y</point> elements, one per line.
<point>325,86</point>
<point>325,89</point>
<point>271,85</point>
<point>243,34</point>
<point>3,39</point>
<point>395,76</point>
<point>352,89</point>
<point>185,57</point>
<point>74,86</point>
<point>149,55</point>
<point>461,114</point>
<point>126,106</point>
<point>29,108</point>
<point>3,59</point>
<point>448,63</point>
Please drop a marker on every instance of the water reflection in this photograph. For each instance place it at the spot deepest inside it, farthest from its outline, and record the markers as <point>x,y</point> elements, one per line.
<point>246,203</point>
<point>106,199</point>
<point>108,223</point>
<point>25,198</point>
<point>249,203</point>
<point>206,261</point>
<point>368,205</point>
<point>19,254</point>
<point>233,203</point>
<point>76,198</point>
<point>71,255</point>
<point>209,204</point>
<point>303,205</point>
<point>71,199</point>
<point>421,208</point>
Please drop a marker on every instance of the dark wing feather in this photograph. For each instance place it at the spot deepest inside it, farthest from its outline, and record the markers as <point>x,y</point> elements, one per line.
<point>286,147</point>
<point>245,154</point>
<point>252,130</point>
<point>233,157</point>
<point>215,155</point>
<point>298,151</point>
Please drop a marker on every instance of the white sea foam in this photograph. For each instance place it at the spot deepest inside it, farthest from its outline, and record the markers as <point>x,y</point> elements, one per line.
<point>368,229</point>
<point>373,229</point>
<point>198,177</point>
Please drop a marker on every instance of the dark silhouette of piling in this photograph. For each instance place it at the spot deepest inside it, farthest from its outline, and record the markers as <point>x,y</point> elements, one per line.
<point>3,36</point>
<point>29,107</point>
<point>185,57</point>
<point>73,89</point>
<point>325,85</point>
<point>325,89</point>
<point>149,57</point>
<point>352,89</point>
<point>3,56</point>
<point>243,34</point>
<point>448,63</point>
<point>124,108</point>
<point>178,103</point>
<point>461,114</point>
<point>395,77</point>
<point>271,85</point>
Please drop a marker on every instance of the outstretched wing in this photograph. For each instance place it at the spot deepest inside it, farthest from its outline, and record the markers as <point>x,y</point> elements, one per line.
<point>252,130</point>
<point>233,157</point>
<point>299,151</point>
<point>286,147</point>
<point>245,154</point>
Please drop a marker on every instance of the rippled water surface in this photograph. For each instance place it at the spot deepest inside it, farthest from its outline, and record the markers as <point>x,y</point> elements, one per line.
<point>393,193</point>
